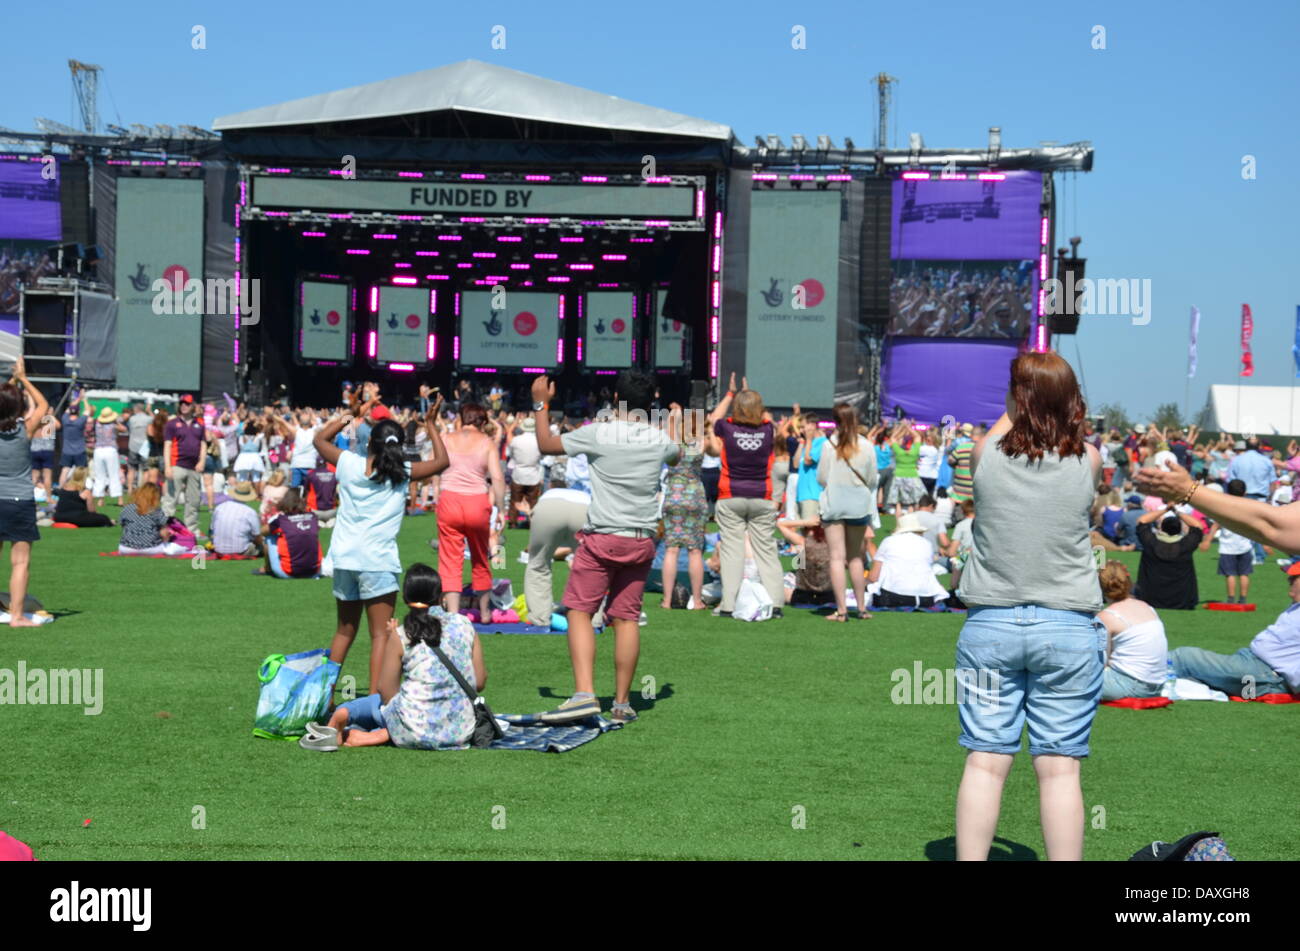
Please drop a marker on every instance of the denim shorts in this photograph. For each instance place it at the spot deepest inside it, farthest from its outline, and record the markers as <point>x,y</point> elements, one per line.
<point>365,713</point>
<point>363,585</point>
<point>1034,665</point>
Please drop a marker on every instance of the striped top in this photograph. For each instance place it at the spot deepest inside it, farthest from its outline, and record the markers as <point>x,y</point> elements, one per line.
<point>963,486</point>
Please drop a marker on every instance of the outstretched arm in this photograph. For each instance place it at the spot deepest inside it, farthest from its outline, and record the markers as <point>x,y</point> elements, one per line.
<point>548,442</point>
<point>724,404</point>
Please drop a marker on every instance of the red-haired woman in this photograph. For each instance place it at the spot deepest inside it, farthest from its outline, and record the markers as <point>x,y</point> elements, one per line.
<point>22,408</point>
<point>1031,648</point>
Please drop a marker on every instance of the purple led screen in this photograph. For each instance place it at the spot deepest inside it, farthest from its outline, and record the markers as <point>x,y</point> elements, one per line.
<point>930,379</point>
<point>963,298</point>
<point>967,220</point>
<point>29,204</point>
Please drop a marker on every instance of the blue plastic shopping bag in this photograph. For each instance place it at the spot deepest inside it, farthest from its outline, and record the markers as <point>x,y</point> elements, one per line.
<point>296,689</point>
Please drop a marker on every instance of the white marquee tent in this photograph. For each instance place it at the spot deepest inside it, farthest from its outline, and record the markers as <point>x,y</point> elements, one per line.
<point>1261,410</point>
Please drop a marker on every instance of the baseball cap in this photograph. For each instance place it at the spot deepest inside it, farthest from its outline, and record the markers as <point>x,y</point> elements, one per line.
<point>380,412</point>
<point>187,398</point>
<point>1292,569</point>
<point>1134,499</point>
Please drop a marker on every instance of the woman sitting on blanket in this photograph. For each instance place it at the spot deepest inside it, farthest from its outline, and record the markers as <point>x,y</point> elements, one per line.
<point>144,526</point>
<point>1137,651</point>
<point>76,504</point>
<point>420,705</point>
<point>810,582</point>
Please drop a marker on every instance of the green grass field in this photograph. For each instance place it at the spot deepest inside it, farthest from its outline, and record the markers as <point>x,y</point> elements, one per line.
<point>755,727</point>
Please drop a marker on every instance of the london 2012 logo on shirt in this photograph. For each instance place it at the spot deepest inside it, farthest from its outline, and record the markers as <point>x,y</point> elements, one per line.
<point>749,442</point>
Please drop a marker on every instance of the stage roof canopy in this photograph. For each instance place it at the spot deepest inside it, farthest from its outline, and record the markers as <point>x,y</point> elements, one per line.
<point>475,87</point>
<point>1257,410</point>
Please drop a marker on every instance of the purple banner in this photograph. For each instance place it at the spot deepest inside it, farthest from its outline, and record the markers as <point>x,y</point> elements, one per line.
<point>29,204</point>
<point>967,219</point>
<point>930,379</point>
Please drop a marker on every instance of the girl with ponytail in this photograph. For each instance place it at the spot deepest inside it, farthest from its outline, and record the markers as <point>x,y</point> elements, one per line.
<point>371,504</point>
<point>418,703</point>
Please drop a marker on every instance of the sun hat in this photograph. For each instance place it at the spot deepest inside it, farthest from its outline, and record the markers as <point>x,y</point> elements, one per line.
<point>909,523</point>
<point>107,415</point>
<point>1140,428</point>
<point>528,424</point>
<point>243,492</point>
<point>967,429</point>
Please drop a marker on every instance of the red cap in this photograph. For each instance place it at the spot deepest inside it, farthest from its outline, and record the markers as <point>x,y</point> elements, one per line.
<point>11,850</point>
<point>1292,569</point>
<point>380,412</point>
<point>187,398</point>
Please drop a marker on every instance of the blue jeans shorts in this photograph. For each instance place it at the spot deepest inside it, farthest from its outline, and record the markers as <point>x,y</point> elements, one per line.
<point>363,585</point>
<point>1032,665</point>
<point>365,713</point>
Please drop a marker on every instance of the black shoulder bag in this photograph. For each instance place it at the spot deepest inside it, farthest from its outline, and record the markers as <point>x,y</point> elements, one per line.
<point>485,724</point>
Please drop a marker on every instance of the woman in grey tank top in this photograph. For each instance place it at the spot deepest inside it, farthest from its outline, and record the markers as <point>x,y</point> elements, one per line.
<point>1031,649</point>
<point>22,407</point>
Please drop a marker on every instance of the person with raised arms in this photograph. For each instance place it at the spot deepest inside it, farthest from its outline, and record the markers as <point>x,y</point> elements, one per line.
<point>617,545</point>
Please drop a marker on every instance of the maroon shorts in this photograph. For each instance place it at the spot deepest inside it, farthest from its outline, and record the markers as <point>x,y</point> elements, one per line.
<point>609,564</point>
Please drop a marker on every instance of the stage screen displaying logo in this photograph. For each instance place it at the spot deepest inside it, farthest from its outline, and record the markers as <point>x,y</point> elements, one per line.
<point>403,325</point>
<point>965,256</point>
<point>608,338</point>
<point>963,298</point>
<point>794,257</point>
<point>670,336</point>
<point>522,332</point>
<point>325,321</point>
<point>159,236</point>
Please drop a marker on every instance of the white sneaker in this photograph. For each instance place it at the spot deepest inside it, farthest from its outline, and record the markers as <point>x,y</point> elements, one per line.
<point>523,558</point>
<point>643,620</point>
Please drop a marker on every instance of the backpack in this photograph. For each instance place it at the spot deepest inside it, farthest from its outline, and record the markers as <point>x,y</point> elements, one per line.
<point>1197,847</point>
<point>180,534</point>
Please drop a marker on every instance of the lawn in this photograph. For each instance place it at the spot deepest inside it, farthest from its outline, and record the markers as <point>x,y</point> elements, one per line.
<point>764,741</point>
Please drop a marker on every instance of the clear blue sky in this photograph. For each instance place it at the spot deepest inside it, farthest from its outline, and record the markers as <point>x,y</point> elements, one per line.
<point>1181,93</point>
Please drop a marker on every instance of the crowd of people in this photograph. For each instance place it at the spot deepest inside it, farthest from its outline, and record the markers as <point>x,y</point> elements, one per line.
<point>629,493</point>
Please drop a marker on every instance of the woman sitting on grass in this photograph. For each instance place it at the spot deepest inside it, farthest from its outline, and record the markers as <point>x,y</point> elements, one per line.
<point>76,503</point>
<point>420,705</point>
<point>1137,651</point>
<point>144,526</point>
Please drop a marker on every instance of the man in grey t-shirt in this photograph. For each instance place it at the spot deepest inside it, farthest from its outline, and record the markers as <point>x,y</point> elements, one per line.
<point>617,545</point>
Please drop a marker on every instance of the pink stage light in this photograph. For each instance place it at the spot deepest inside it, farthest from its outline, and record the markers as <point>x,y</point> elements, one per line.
<point>271,171</point>
<point>532,370</point>
<point>356,251</point>
<point>464,264</point>
<point>537,178</point>
<point>410,174</point>
<point>717,224</point>
<point>336,171</point>
<point>916,176</point>
<point>607,285</point>
<point>427,254</point>
<point>634,349</point>
<point>374,300</point>
<point>510,238</point>
<point>839,178</point>
<point>717,258</point>
<point>405,280</point>
<point>433,302</point>
<point>346,214</point>
<point>659,180</point>
<point>1042,338</point>
<point>478,176</point>
<point>717,293</point>
<point>237,217</point>
<point>384,237</point>
<point>764,177</point>
<point>559,352</point>
<point>276,214</point>
<point>613,257</point>
<point>402,264</point>
<point>456,309</point>
<point>571,239</point>
<point>537,221</point>
<point>699,203</point>
<point>437,277</point>
<point>492,278</point>
<point>991,177</point>
<point>656,223</point>
<point>546,256</point>
<point>455,348</point>
<point>802,178</point>
<point>237,242</point>
<point>641,240</point>
<point>595,178</point>
<point>449,237</point>
<point>352,346</point>
<point>561,307</point>
<point>713,365</point>
<point>952,176</point>
<point>582,267</point>
<point>484,254</point>
<point>1042,266</point>
<point>243,193</point>
<point>236,350</point>
<point>312,234</point>
<point>402,367</point>
<point>472,220</point>
<point>370,347</point>
<point>593,224</point>
<point>410,217</point>
<point>332,277</point>
<point>1043,230</point>
<point>485,369</point>
<point>520,267</point>
<point>558,280</point>
<point>713,329</point>
<point>432,349</point>
<point>606,373</point>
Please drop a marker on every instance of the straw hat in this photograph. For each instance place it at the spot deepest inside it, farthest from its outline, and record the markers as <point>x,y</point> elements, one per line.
<point>967,429</point>
<point>909,523</point>
<point>243,492</point>
<point>528,424</point>
<point>107,415</point>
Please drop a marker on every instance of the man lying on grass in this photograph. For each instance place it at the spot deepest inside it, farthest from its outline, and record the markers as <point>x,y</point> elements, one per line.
<point>419,704</point>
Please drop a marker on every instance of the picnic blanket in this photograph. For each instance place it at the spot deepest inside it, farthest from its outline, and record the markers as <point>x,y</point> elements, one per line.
<point>1139,703</point>
<point>528,732</point>
<point>939,608</point>
<point>1269,698</point>
<point>210,555</point>
<point>516,628</point>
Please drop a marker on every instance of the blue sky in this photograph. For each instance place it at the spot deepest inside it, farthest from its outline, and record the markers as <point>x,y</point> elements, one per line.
<point>1180,94</point>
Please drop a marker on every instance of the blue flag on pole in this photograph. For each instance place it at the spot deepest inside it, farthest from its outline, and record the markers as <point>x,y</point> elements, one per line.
<point>1295,348</point>
<point>1191,349</point>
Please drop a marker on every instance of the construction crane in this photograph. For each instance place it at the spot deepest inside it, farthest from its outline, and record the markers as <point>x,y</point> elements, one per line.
<point>85,80</point>
<point>883,82</point>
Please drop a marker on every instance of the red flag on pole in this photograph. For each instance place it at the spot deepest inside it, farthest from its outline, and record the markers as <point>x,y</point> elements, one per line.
<point>1247,325</point>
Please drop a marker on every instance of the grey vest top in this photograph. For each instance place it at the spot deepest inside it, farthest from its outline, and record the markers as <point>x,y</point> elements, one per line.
<point>16,464</point>
<point>1031,542</point>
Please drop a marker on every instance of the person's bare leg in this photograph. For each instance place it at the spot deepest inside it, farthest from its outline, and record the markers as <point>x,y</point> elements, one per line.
<point>695,563</point>
<point>582,651</point>
<point>451,602</point>
<point>835,544</point>
<point>669,574</point>
<point>349,619</point>
<point>363,738</point>
<point>627,649</point>
<point>1245,586</point>
<point>854,535</point>
<point>20,554</point>
<point>1060,807</point>
<point>485,606</point>
<point>379,611</point>
<point>1232,587</point>
<point>979,800</point>
<point>338,719</point>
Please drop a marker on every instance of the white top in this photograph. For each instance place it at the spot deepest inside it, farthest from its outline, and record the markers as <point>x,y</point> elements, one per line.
<point>304,453</point>
<point>1230,543</point>
<point>370,515</point>
<point>1162,459</point>
<point>711,462</point>
<point>1282,495</point>
<point>962,534</point>
<point>1141,650</point>
<point>576,496</point>
<point>527,459</point>
<point>906,566</point>
<point>927,463</point>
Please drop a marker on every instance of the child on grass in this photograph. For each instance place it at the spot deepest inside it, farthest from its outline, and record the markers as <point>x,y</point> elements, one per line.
<point>1236,557</point>
<point>419,704</point>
